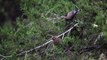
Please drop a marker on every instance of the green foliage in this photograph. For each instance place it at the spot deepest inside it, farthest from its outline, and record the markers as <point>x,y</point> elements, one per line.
<point>34,30</point>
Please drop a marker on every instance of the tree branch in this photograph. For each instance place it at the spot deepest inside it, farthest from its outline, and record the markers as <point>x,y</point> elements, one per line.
<point>3,57</point>
<point>47,41</point>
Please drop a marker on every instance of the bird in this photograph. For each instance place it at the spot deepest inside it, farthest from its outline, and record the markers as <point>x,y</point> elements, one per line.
<point>70,15</point>
<point>56,40</point>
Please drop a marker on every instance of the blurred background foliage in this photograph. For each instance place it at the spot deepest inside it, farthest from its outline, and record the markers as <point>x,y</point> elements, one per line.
<point>25,24</point>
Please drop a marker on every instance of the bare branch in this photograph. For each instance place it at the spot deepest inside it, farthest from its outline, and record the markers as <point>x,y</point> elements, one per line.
<point>99,36</point>
<point>3,57</point>
<point>47,41</point>
<point>68,30</point>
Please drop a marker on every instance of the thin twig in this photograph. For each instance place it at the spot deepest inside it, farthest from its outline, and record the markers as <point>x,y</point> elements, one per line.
<point>63,36</point>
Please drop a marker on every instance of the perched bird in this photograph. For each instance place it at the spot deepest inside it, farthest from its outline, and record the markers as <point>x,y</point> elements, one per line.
<point>56,40</point>
<point>70,15</point>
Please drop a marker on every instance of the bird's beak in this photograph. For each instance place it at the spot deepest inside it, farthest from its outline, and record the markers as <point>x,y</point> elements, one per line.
<point>63,17</point>
<point>78,11</point>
